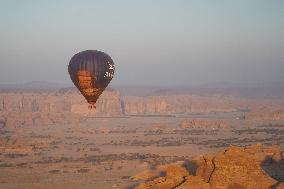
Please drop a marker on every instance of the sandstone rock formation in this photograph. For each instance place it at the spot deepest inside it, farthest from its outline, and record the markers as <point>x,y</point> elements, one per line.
<point>174,174</point>
<point>66,105</point>
<point>175,104</point>
<point>280,186</point>
<point>59,101</point>
<point>254,167</point>
<point>28,107</point>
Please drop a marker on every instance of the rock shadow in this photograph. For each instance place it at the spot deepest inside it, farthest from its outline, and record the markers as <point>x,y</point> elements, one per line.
<point>2,124</point>
<point>274,167</point>
<point>190,166</point>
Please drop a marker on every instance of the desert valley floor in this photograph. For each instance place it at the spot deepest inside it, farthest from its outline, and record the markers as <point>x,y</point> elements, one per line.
<point>107,152</point>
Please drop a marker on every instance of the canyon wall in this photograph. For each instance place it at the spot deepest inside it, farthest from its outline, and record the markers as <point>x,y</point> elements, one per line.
<point>68,105</point>
<point>63,106</point>
<point>112,104</point>
<point>65,100</point>
<point>175,104</point>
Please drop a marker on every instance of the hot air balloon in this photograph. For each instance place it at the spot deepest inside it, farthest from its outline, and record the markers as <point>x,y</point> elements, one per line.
<point>91,71</point>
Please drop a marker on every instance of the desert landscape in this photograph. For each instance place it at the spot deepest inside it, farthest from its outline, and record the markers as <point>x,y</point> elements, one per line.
<point>50,139</point>
<point>142,94</point>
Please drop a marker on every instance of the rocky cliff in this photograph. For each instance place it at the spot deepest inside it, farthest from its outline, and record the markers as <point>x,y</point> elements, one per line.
<point>175,104</point>
<point>64,100</point>
<point>29,107</point>
<point>254,167</point>
<point>66,105</point>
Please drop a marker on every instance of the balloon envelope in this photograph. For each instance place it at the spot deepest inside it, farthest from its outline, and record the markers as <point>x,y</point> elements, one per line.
<point>91,71</point>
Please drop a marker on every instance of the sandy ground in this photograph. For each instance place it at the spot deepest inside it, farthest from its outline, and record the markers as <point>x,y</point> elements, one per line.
<point>107,152</point>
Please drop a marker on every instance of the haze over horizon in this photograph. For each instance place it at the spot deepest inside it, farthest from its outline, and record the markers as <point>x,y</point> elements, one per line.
<point>151,42</point>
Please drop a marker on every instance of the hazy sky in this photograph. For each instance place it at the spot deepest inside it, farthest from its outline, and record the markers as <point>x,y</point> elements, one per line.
<point>157,42</point>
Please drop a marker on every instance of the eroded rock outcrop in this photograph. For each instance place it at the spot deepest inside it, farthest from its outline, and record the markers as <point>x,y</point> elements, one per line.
<point>234,168</point>
<point>174,174</point>
<point>242,167</point>
<point>280,186</point>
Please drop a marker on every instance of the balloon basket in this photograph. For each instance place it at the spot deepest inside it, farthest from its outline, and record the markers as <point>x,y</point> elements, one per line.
<point>92,107</point>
